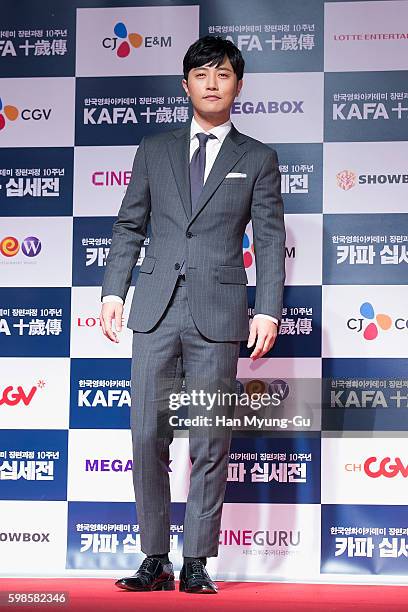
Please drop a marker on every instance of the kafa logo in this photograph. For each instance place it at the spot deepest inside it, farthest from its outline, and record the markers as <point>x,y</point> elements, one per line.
<point>7,113</point>
<point>10,246</point>
<point>123,42</point>
<point>105,398</point>
<point>19,396</point>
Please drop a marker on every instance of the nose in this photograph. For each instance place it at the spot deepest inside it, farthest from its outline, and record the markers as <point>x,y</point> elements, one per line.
<point>211,81</point>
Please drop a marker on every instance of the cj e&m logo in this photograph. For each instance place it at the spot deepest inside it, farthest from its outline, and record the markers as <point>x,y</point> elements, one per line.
<point>10,246</point>
<point>371,323</point>
<point>248,248</point>
<point>123,42</point>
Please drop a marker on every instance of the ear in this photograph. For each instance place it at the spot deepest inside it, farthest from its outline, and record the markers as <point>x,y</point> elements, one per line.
<point>185,86</point>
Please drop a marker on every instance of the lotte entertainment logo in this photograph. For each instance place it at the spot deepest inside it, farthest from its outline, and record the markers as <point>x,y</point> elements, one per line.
<point>30,246</point>
<point>7,112</point>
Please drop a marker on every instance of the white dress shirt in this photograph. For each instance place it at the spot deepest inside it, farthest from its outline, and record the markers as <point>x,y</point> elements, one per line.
<point>212,149</point>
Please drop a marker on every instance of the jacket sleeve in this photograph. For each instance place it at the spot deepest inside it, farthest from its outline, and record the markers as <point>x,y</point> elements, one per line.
<point>129,229</point>
<point>269,238</point>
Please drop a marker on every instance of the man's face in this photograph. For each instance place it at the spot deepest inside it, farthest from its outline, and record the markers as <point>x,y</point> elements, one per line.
<point>212,89</point>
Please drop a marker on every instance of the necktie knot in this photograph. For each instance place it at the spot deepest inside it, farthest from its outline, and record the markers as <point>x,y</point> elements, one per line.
<point>202,138</point>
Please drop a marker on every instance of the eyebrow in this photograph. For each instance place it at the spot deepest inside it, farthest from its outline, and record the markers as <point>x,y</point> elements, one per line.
<point>218,68</point>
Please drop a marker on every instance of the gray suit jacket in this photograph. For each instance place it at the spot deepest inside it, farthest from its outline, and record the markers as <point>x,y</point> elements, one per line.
<point>210,240</point>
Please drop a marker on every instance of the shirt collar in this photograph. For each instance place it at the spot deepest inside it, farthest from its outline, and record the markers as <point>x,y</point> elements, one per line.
<point>220,131</point>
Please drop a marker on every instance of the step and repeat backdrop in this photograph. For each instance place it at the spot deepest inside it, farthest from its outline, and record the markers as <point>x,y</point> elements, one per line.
<point>322,493</point>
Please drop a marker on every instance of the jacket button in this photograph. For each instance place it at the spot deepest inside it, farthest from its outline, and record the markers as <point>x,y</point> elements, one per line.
<point>189,235</point>
<point>176,266</point>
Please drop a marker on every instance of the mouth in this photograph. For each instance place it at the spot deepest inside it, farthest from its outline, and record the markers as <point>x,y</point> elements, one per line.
<point>212,98</point>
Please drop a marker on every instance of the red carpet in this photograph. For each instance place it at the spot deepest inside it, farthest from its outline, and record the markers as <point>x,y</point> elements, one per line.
<point>101,594</point>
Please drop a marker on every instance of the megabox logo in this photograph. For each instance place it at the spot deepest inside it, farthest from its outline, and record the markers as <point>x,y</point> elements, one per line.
<point>30,246</point>
<point>271,107</point>
<point>123,41</point>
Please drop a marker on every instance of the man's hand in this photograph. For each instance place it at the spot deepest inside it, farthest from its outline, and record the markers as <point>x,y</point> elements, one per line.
<point>266,332</point>
<point>111,311</point>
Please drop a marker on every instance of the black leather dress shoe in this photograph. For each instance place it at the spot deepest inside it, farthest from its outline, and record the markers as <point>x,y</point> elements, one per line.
<point>152,575</point>
<point>195,579</point>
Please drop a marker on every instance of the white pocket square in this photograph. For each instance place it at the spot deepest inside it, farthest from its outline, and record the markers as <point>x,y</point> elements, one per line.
<point>236,175</point>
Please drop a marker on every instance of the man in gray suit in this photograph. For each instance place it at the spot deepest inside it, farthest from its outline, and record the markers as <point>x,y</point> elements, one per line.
<point>199,186</point>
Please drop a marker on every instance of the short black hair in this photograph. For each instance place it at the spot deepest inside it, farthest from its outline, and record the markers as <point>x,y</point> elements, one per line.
<point>213,49</point>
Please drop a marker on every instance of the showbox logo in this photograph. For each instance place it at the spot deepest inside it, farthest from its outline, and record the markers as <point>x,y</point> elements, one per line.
<point>347,179</point>
<point>123,41</point>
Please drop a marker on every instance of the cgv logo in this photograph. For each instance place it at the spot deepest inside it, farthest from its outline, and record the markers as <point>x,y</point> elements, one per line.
<point>386,468</point>
<point>11,113</point>
<point>12,396</point>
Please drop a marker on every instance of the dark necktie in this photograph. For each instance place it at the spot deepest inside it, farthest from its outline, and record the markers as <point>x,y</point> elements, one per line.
<point>197,168</point>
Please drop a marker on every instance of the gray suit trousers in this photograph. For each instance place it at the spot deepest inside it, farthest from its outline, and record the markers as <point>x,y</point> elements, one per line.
<point>160,358</point>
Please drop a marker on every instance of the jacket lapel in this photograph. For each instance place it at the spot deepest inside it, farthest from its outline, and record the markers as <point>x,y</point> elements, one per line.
<point>179,152</point>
